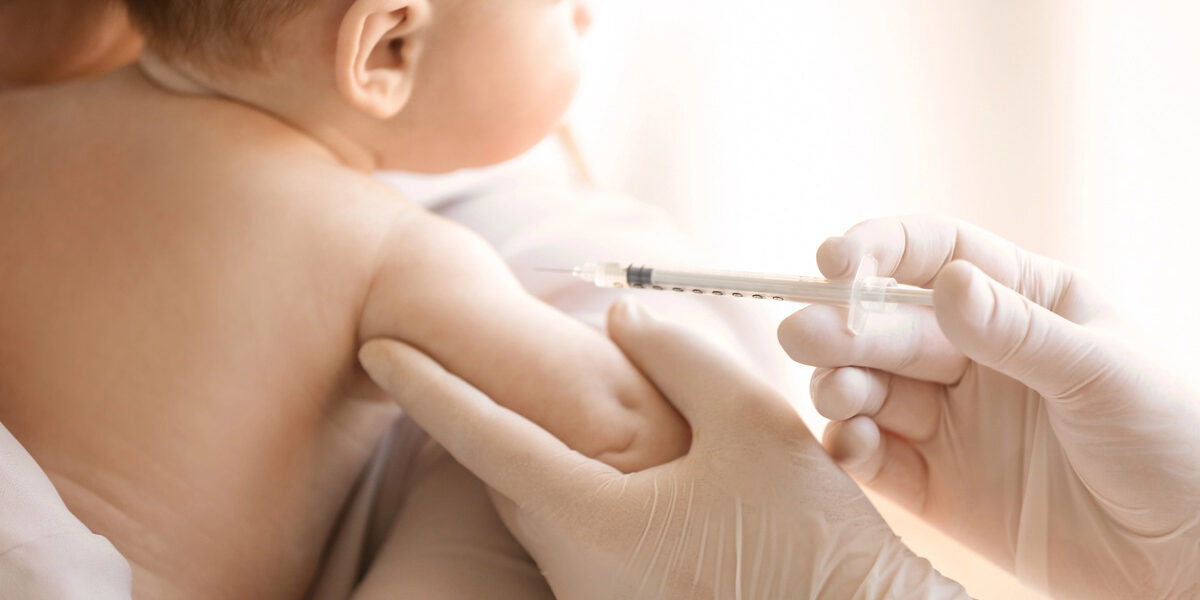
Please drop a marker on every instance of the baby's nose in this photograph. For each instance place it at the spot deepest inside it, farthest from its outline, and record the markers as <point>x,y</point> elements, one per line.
<point>583,16</point>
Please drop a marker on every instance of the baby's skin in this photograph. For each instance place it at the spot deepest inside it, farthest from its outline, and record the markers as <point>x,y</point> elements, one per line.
<point>186,282</point>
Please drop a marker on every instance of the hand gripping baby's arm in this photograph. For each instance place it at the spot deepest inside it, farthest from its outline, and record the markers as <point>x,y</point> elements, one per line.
<point>443,290</point>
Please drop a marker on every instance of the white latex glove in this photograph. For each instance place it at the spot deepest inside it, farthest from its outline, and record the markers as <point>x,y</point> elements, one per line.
<point>755,510</point>
<point>1011,416</point>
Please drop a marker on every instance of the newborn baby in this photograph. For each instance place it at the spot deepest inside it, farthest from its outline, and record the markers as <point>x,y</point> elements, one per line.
<point>192,251</point>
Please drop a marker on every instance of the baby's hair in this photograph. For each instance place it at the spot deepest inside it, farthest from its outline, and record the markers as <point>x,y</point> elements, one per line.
<point>207,32</point>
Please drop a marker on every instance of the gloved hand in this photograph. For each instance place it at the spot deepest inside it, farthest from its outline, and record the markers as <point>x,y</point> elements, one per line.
<point>1013,415</point>
<point>755,510</point>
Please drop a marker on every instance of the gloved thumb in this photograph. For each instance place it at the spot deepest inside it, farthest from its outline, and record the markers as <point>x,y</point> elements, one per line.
<point>1005,331</point>
<point>710,388</point>
<point>505,450</point>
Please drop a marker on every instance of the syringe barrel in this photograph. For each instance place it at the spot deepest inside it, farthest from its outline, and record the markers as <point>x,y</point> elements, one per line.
<point>866,294</point>
<point>908,295</point>
<point>742,284</point>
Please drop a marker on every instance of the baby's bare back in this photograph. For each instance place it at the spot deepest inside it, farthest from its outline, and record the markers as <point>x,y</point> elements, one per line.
<point>178,320</point>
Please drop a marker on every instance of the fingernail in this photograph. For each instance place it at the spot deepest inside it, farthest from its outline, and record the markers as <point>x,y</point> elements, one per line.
<point>962,292</point>
<point>832,259</point>
<point>976,284</point>
<point>979,293</point>
<point>374,360</point>
<point>627,309</point>
<point>631,311</point>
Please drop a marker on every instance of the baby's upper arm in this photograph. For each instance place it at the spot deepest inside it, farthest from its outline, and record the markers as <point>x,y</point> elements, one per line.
<point>441,289</point>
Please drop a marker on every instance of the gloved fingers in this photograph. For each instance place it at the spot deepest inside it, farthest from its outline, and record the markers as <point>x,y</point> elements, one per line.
<point>910,408</point>
<point>1005,331</point>
<point>879,460</point>
<point>914,249</point>
<point>708,387</point>
<point>907,342</point>
<point>505,450</point>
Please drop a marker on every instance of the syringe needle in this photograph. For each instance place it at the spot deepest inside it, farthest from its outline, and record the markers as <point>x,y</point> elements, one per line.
<point>549,270</point>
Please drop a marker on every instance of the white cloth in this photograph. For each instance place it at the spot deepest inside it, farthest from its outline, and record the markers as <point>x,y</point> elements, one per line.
<point>45,552</point>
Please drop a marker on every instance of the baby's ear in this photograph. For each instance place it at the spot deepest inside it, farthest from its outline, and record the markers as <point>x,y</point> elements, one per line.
<point>378,44</point>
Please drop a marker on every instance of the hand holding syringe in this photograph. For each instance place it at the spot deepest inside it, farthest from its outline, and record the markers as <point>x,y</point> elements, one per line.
<point>864,295</point>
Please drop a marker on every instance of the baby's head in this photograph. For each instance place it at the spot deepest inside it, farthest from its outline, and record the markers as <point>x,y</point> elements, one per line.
<point>418,85</point>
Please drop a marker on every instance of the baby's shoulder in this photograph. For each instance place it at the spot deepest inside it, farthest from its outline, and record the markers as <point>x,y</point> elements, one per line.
<point>357,203</point>
<point>430,267</point>
<point>342,213</point>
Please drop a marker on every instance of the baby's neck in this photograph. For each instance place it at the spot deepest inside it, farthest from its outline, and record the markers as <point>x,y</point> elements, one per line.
<point>171,78</point>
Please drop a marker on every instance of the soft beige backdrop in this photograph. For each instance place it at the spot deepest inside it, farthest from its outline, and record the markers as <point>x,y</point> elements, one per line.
<point>1071,127</point>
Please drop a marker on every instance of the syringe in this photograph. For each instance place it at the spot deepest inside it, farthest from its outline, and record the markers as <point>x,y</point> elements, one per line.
<point>864,295</point>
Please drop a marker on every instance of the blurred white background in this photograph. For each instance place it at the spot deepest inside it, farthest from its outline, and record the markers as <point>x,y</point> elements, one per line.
<point>1071,127</point>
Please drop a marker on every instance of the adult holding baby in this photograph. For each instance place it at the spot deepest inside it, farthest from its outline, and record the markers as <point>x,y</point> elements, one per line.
<point>1010,416</point>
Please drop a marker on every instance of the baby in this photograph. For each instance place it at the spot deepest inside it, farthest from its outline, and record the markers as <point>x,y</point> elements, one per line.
<point>192,251</point>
